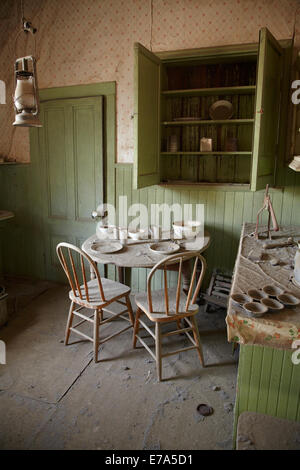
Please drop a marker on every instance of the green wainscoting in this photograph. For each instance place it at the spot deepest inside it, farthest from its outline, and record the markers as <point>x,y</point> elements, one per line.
<point>225,211</point>
<point>268,383</point>
<point>22,189</point>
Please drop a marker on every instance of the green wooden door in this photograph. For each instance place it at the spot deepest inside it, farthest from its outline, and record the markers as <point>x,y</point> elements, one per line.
<point>71,152</point>
<point>146,117</point>
<point>267,111</point>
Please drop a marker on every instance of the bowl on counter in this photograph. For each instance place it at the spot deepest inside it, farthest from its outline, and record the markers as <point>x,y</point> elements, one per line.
<point>289,300</point>
<point>240,299</point>
<point>273,291</point>
<point>257,294</point>
<point>272,304</point>
<point>255,309</point>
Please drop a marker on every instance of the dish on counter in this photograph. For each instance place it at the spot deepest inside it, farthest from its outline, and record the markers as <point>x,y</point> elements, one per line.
<point>273,291</point>
<point>272,304</point>
<point>240,299</point>
<point>257,294</point>
<point>289,300</point>
<point>255,309</point>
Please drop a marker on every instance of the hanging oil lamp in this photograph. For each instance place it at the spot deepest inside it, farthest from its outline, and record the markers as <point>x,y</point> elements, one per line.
<point>26,100</point>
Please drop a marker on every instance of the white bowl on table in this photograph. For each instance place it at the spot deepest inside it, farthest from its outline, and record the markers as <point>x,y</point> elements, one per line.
<point>136,234</point>
<point>187,229</point>
<point>103,231</point>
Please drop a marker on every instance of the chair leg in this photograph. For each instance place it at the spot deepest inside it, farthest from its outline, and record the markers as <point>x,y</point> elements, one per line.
<point>69,323</point>
<point>96,334</point>
<point>100,316</point>
<point>129,307</point>
<point>136,326</point>
<point>158,350</point>
<point>197,340</point>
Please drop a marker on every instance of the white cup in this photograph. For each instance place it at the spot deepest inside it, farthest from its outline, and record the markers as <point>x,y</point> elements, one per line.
<point>156,232</point>
<point>115,233</point>
<point>102,231</point>
<point>123,235</point>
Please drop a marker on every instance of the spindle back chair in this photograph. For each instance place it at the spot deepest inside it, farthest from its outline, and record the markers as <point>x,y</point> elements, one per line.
<point>171,305</point>
<point>96,294</point>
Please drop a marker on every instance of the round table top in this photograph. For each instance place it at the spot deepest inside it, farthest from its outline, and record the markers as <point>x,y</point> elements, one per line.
<point>137,254</point>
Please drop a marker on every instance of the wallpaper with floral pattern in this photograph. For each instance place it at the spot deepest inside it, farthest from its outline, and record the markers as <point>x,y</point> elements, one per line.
<point>89,41</point>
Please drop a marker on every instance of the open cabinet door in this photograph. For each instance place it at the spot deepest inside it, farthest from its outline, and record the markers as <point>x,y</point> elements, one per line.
<point>267,111</point>
<point>146,117</point>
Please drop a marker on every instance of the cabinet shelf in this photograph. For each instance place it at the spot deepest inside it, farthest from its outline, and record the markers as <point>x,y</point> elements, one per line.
<point>208,121</point>
<point>207,185</point>
<point>208,153</point>
<point>231,90</point>
<point>173,95</point>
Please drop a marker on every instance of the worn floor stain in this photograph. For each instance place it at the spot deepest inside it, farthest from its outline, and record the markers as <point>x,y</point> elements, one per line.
<point>56,397</point>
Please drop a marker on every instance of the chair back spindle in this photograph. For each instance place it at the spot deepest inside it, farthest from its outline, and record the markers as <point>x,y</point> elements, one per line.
<point>192,293</point>
<point>65,256</point>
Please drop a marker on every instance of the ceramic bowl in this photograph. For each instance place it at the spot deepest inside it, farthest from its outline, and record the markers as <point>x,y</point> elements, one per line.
<point>272,291</point>
<point>255,309</point>
<point>257,294</point>
<point>272,304</point>
<point>186,229</point>
<point>289,300</point>
<point>103,231</point>
<point>240,299</point>
<point>136,234</point>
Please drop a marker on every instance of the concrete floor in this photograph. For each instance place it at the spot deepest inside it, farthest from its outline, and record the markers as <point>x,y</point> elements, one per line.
<point>56,397</point>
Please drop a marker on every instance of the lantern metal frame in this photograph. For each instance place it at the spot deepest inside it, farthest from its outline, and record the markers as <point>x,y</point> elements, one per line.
<point>23,73</point>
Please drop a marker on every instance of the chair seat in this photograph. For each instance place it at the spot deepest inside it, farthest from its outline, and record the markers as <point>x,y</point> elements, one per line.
<point>159,306</point>
<point>111,289</point>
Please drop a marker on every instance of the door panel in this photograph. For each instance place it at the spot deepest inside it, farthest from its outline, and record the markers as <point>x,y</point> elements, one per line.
<point>56,167</point>
<point>71,149</point>
<point>146,118</point>
<point>267,111</point>
<point>86,142</point>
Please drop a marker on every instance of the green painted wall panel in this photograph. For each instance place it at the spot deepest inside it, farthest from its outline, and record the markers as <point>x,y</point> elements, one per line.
<point>21,190</point>
<point>268,383</point>
<point>225,211</point>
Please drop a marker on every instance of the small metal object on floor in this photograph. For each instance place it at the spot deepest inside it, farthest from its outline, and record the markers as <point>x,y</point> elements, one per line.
<point>205,410</point>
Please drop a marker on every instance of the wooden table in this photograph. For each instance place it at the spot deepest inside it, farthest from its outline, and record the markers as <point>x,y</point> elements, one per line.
<point>136,254</point>
<point>268,380</point>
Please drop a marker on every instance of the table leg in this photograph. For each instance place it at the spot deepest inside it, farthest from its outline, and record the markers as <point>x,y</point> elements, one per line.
<point>124,276</point>
<point>127,277</point>
<point>186,276</point>
<point>121,274</point>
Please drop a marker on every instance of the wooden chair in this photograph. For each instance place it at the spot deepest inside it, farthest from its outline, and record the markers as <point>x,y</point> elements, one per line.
<point>170,305</point>
<point>96,294</point>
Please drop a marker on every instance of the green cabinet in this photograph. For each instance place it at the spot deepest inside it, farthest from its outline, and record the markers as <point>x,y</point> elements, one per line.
<point>174,92</point>
<point>147,117</point>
